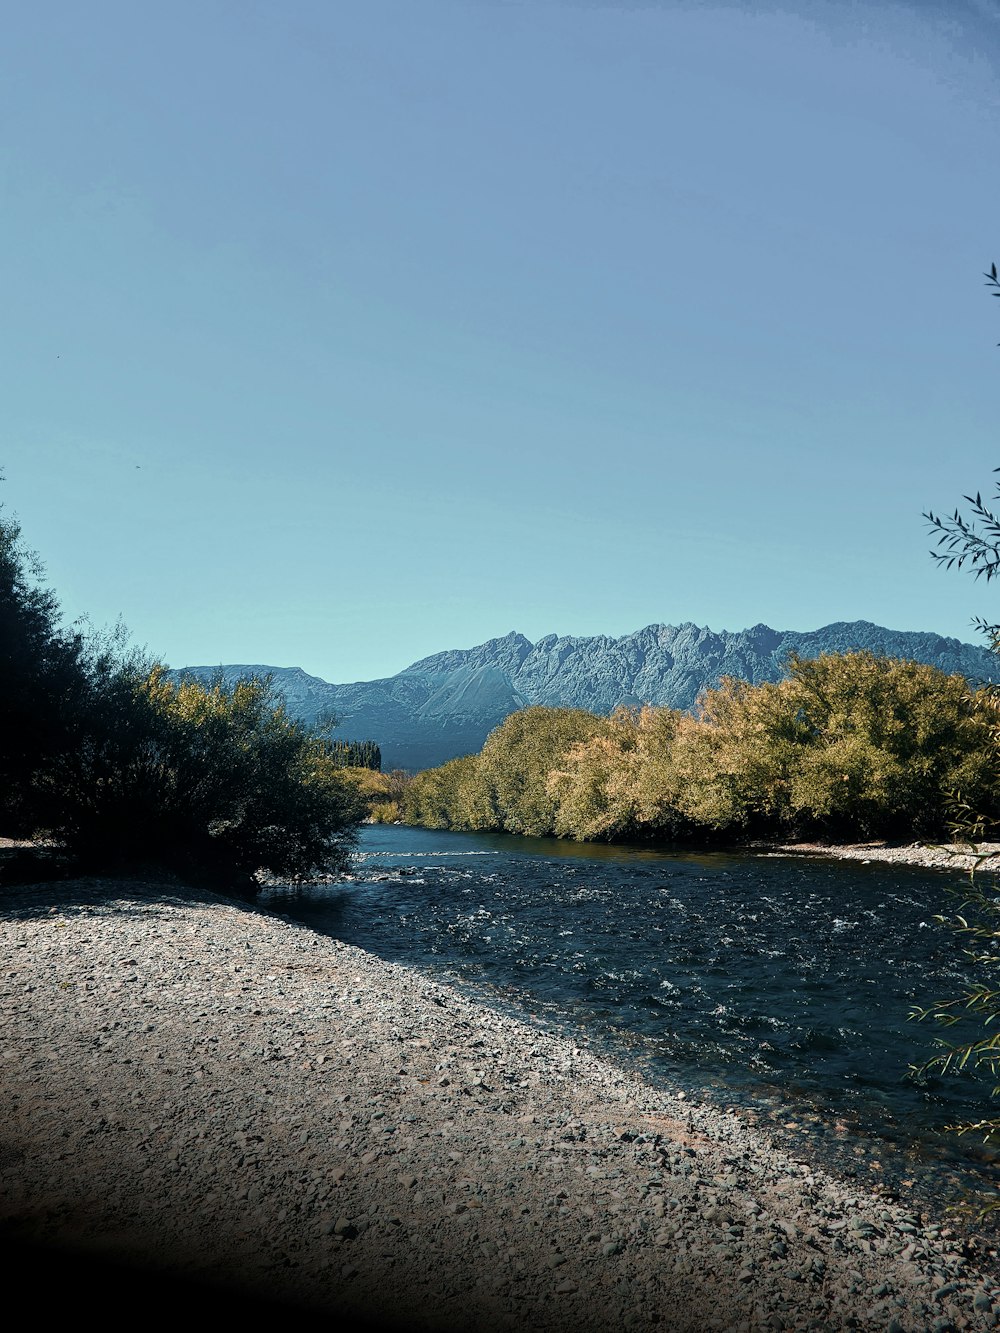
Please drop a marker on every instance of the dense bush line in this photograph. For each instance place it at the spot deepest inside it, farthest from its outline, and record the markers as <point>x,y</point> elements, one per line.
<point>381,795</point>
<point>102,753</point>
<point>846,746</point>
<point>357,754</point>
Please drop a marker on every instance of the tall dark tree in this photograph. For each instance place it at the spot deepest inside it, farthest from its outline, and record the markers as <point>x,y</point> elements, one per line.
<point>44,681</point>
<point>356,754</point>
<point>100,750</point>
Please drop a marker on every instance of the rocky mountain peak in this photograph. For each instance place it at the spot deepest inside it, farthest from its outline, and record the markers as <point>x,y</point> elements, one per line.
<point>446,704</point>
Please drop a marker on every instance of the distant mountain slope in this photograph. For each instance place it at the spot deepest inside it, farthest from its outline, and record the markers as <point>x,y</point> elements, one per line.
<point>447,704</point>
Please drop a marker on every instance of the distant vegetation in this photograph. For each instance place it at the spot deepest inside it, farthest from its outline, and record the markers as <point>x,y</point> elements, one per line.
<point>356,754</point>
<point>381,795</point>
<point>121,766</point>
<point>848,746</point>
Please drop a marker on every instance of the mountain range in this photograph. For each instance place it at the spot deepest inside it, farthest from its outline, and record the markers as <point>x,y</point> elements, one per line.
<point>447,704</point>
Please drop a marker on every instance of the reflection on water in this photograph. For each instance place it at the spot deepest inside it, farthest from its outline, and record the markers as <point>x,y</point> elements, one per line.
<point>778,984</point>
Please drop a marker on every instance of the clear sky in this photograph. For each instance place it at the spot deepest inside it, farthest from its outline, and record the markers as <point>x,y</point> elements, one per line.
<point>339,334</point>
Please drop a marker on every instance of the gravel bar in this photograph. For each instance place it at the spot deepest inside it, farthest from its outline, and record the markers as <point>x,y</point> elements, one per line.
<point>213,1088</point>
<point>931,856</point>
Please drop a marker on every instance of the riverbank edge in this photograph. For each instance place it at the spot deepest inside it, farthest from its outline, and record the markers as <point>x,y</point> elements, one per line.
<point>983,856</point>
<point>205,1081</point>
<point>932,856</point>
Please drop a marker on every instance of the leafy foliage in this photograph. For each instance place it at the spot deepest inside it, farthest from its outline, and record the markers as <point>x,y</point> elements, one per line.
<point>445,797</point>
<point>732,764</point>
<point>618,784</point>
<point>45,677</point>
<point>888,742</point>
<point>216,781</point>
<point>973,543</point>
<point>974,1011</point>
<point>105,754</point>
<point>357,754</point>
<point>848,745</point>
<point>515,763</point>
<point>381,794</point>
<point>506,786</point>
<point>980,1002</point>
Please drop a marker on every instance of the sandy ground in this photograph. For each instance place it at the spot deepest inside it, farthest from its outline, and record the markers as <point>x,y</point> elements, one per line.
<point>208,1086</point>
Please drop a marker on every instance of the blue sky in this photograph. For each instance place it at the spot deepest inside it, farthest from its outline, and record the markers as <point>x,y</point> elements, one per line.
<point>338,334</point>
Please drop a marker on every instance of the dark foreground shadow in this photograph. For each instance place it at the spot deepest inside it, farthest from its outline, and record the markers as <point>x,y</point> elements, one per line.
<point>32,894</point>
<point>28,864</point>
<point>70,1287</point>
<point>32,864</point>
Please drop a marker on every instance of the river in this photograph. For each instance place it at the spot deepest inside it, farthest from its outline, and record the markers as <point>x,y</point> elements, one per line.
<point>777,984</point>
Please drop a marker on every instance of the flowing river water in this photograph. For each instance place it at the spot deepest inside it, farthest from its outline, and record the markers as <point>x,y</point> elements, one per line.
<point>780,985</point>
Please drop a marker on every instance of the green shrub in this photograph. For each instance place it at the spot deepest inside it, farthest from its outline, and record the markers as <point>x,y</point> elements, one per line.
<point>847,746</point>
<point>441,797</point>
<point>380,794</point>
<point>45,680</point>
<point>106,756</point>
<point>618,784</point>
<point>385,812</point>
<point>516,761</point>
<point>215,781</point>
<point>888,743</point>
<point>731,766</point>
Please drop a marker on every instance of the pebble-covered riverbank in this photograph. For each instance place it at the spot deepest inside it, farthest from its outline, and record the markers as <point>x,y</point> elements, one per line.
<point>953,856</point>
<point>197,1082</point>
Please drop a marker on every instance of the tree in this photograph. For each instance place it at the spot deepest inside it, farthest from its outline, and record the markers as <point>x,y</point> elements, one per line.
<point>45,677</point>
<point>516,761</point>
<point>440,797</point>
<point>619,784</point>
<point>848,745</point>
<point>732,764</point>
<point>214,781</point>
<point>973,543</point>
<point>103,753</point>
<point>381,794</point>
<point>356,754</point>
<point>882,744</point>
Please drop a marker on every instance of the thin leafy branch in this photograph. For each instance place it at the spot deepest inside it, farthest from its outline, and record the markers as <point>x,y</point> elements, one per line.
<point>971,541</point>
<point>978,920</point>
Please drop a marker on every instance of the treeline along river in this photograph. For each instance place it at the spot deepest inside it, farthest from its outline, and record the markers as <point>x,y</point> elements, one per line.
<point>780,985</point>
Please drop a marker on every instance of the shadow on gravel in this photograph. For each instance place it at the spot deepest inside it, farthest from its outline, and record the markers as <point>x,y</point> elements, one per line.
<point>77,1285</point>
<point>44,896</point>
<point>26,863</point>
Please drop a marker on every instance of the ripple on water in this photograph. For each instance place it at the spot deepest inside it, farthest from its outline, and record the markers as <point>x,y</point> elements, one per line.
<point>784,984</point>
